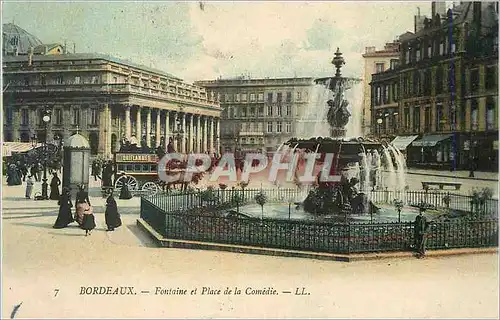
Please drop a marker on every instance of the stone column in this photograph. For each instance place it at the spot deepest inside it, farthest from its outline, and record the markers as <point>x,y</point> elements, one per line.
<point>191,133</point>
<point>148,127</point>
<point>211,135</point>
<point>167,127</point>
<point>66,120</point>
<point>199,135</point>
<point>128,125</point>
<point>183,140</point>
<point>138,129</point>
<point>105,131</point>
<point>218,137</point>
<point>16,119</point>
<point>158,127</point>
<point>204,134</point>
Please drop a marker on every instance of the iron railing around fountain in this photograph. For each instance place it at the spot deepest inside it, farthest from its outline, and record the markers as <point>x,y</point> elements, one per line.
<point>188,217</point>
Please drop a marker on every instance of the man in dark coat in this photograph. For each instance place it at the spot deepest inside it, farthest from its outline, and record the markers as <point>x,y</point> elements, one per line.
<point>125,192</point>
<point>420,228</point>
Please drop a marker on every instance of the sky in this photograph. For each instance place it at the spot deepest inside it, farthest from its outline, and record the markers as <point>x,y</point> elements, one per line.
<point>208,40</point>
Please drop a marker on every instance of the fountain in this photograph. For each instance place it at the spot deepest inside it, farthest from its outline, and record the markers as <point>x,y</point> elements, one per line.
<point>366,157</point>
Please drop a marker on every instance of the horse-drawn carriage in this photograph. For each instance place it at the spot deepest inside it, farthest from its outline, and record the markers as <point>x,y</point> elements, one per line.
<point>139,171</point>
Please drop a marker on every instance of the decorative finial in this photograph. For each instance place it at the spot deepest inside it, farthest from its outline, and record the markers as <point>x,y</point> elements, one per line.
<point>338,61</point>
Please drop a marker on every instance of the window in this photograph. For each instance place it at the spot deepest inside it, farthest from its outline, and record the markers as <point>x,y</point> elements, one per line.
<point>58,116</point>
<point>299,95</point>
<point>252,140</point>
<point>427,82</point>
<point>386,94</point>
<point>439,117</point>
<point>25,118</point>
<point>252,112</point>
<point>406,114</point>
<point>474,80</point>
<point>453,47</point>
<point>94,116</point>
<point>394,63</point>
<point>59,80</point>
<point>261,111</point>
<point>288,127</point>
<point>235,112</point>
<point>244,127</point>
<point>279,97</point>
<point>270,97</point>
<point>261,97</point>
<point>427,119</point>
<point>26,81</point>
<point>416,83</point>
<point>94,80</point>
<point>379,67</point>
<point>378,98</point>
<point>416,119</point>
<point>77,80</point>
<point>243,140</point>
<point>288,97</point>
<point>115,79</point>
<point>76,117</point>
<point>252,97</point>
<point>288,110</point>
<point>9,116</point>
<point>269,127</point>
<point>439,80</point>
<point>441,47</point>
<point>269,110</point>
<point>491,79</point>
<point>278,110</point>
<point>251,127</point>
<point>244,112</point>
<point>43,80</point>
<point>407,56</point>
<point>278,127</point>
<point>490,114</point>
<point>417,52</point>
<point>474,117</point>
<point>429,50</point>
<point>243,97</point>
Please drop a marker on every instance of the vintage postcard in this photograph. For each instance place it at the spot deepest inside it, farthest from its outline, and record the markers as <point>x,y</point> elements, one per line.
<point>251,159</point>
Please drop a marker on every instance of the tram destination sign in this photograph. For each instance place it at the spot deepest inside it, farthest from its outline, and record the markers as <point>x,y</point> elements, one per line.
<point>136,157</point>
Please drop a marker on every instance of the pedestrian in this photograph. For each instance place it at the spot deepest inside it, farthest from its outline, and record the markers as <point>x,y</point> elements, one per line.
<point>39,170</point>
<point>13,176</point>
<point>82,202</point>
<point>54,187</point>
<point>29,187</point>
<point>33,172</point>
<point>96,168</point>
<point>24,170</point>
<point>420,230</point>
<point>64,217</point>
<point>88,222</point>
<point>111,215</point>
<point>125,192</point>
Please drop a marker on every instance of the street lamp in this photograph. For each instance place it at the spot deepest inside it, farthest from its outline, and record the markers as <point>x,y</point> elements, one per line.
<point>46,119</point>
<point>379,122</point>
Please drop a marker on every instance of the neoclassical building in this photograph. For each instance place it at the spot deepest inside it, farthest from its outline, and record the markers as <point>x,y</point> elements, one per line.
<point>107,100</point>
<point>260,114</point>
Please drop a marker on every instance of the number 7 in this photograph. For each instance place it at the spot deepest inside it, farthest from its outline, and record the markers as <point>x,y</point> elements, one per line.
<point>57,291</point>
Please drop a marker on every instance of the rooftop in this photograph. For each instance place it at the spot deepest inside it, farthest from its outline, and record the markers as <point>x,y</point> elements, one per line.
<point>14,37</point>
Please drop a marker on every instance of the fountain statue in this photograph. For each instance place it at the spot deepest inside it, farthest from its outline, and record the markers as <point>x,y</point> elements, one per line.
<point>350,195</point>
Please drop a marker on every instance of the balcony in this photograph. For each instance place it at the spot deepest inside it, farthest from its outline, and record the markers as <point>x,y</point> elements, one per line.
<point>118,88</point>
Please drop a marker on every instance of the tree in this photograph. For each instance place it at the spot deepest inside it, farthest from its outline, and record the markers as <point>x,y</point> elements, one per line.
<point>261,199</point>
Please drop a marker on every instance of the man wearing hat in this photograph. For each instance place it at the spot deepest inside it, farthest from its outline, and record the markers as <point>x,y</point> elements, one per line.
<point>420,227</point>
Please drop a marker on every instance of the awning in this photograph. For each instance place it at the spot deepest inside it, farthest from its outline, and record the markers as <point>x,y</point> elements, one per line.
<point>401,142</point>
<point>431,140</point>
<point>8,148</point>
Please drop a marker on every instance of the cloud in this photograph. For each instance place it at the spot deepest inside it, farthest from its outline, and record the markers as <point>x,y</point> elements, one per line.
<point>263,39</point>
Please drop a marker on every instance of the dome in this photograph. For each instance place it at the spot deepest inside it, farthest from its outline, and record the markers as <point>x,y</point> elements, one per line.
<point>77,141</point>
<point>14,36</point>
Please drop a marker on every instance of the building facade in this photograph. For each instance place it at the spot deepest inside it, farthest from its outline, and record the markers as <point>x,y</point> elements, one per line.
<point>107,100</point>
<point>375,61</point>
<point>259,114</point>
<point>448,95</point>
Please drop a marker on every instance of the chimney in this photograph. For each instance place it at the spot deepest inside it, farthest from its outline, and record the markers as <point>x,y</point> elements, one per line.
<point>30,56</point>
<point>369,49</point>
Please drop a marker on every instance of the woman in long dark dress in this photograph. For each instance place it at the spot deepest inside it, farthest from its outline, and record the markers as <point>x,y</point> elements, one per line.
<point>125,192</point>
<point>88,222</point>
<point>64,217</point>
<point>111,215</point>
<point>82,201</point>
<point>54,187</point>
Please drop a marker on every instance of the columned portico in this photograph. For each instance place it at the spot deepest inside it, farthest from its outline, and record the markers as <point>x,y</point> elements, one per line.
<point>183,138</point>
<point>167,127</point>
<point>211,150</point>
<point>218,137</point>
<point>204,134</point>
<point>138,122</point>
<point>191,132</point>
